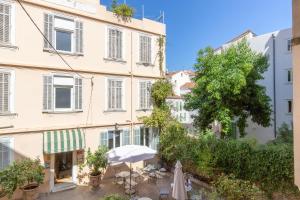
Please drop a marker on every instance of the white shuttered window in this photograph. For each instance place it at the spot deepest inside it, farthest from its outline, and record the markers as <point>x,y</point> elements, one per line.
<point>115,40</point>
<point>145,49</point>
<point>145,94</point>
<point>115,94</point>
<point>5,92</point>
<point>5,23</point>
<point>59,93</point>
<point>64,34</point>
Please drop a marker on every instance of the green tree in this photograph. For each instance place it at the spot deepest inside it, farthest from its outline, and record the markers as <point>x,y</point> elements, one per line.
<point>227,88</point>
<point>161,114</point>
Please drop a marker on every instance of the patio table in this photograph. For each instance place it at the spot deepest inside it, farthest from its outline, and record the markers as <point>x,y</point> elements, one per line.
<point>133,183</point>
<point>123,174</point>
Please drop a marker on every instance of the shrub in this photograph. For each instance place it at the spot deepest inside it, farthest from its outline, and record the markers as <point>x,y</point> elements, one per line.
<point>285,135</point>
<point>114,197</point>
<point>236,189</point>
<point>272,166</point>
<point>269,166</point>
<point>20,174</point>
<point>122,11</point>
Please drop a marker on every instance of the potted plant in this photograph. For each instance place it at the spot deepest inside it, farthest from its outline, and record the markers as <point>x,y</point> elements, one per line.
<point>9,180</point>
<point>26,174</point>
<point>32,176</point>
<point>122,11</point>
<point>96,162</point>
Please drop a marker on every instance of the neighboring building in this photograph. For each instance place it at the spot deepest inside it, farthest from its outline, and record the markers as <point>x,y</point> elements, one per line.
<point>182,84</point>
<point>278,80</point>
<point>56,113</point>
<point>296,65</point>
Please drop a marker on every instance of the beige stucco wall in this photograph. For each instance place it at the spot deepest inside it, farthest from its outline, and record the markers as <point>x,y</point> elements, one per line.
<point>296,85</point>
<point>30,43</point>
<point>31,60</point>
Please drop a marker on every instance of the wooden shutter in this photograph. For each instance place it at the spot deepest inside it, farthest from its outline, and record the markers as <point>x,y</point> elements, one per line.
<point>119,91</point>
<point>111,43</point>
<point>137,136</point>
<point>47,93</point>
<point>109,97</point>
<point>79,37</point>
<point>142,49</point>
<point>5,21</point>
<point>149,51</point>
<point>126,137</point>
<point>78,94</point>
<point>5,151</point>
<point>119,45</point>
<point>142,95</point>
<point>104,138</point>
<point>148,95</point>
<point>4,92</point>
<point>48,30</point>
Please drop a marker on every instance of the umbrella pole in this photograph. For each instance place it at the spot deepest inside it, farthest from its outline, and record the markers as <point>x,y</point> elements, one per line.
<point>130,181</point>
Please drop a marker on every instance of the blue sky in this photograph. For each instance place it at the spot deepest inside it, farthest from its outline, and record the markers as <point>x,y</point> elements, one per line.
<point>195,24</point>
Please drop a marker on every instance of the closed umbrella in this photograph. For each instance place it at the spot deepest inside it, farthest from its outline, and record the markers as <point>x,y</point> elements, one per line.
<point>179,191</point>
<point>131,154</point>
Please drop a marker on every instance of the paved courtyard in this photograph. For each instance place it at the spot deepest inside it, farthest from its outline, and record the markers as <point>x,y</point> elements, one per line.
<point>144,189</point>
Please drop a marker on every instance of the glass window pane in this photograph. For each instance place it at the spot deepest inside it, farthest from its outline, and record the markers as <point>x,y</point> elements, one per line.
<point>63,97</point>
<point>110,139</point>
<point>147,137</point>
<point>63,40</point>
<point>117,139</point>
<point>142,136</point>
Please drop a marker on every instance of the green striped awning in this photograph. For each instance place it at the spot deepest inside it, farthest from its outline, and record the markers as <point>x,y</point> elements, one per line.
<point>63,141</point>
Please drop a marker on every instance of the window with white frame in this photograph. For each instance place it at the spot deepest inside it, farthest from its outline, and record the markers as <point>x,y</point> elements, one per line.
<point>6,152</point>
<point>115,138</point>
<point>6,91</point>
<point>6,22</point>
<point>62,93</point>
<point>145,94</point>
<point>115,94</point>
<point>65,34</point>
<point>290,106</point>
<point>146,137</point>
<point>289,76</point>
<point>142,136</point>
<point>145,49</point>
<point>289,45</point>
<point>115,44</point>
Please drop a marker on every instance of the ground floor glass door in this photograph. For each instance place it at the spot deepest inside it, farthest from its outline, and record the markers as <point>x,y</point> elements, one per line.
<point>63,167</point>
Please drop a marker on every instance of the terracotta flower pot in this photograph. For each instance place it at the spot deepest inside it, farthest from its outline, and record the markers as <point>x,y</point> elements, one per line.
<point>95,180</point>
<point>2,193</point>
<point>30,192</point>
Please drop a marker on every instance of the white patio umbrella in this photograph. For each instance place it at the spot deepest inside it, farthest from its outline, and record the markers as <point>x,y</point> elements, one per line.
<point>179,191</point>
<point>131,154</point>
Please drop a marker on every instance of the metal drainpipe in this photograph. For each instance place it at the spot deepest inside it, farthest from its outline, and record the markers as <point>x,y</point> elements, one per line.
<point>131,85</point>
<point>274,84</point>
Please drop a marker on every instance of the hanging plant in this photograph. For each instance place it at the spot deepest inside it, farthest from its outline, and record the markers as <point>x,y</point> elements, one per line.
<point>122,11</point>
<point>161,53</point>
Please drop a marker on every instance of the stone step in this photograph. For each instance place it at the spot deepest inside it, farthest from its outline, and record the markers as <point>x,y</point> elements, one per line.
<point>63,186</point>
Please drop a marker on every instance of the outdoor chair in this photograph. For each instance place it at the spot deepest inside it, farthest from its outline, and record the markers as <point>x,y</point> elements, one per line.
<point>164,193</point>
<point>152,178</point>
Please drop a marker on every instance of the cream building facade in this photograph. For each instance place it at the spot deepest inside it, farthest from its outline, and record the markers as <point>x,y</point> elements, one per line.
<point>56,112</point>
<point>296,88</point>
<point>182,82</point>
